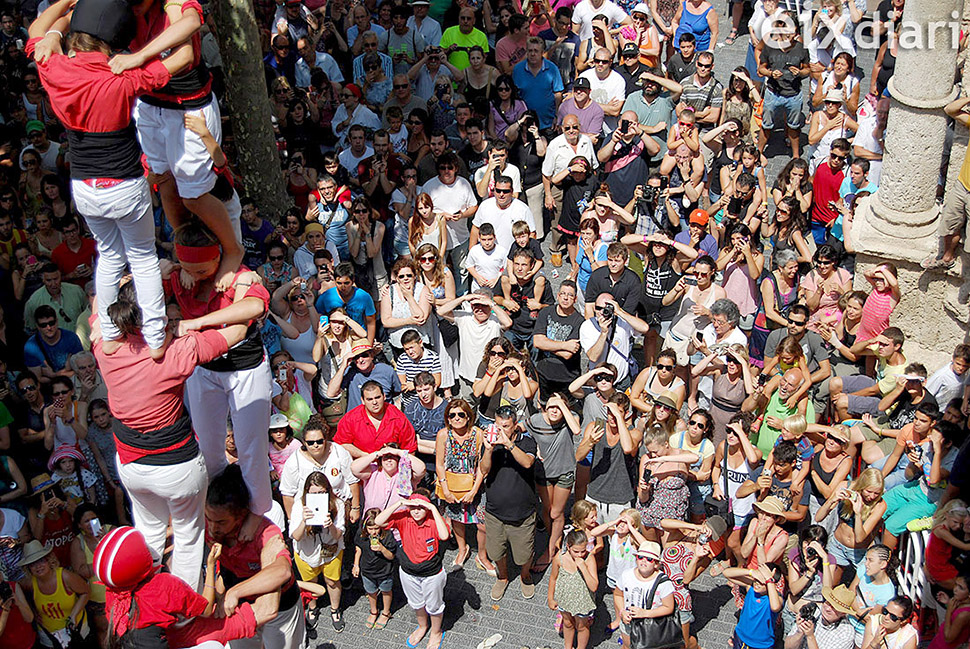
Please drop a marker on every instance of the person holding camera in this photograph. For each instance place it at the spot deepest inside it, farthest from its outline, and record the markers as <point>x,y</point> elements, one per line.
<point>16,618</point>
<point>826,625</point>
<point>609,337</point>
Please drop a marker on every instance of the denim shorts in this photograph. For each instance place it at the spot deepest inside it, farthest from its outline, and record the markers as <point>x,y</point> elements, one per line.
<point>372,587</point>
<point>786,109</point>
<point>698,494</point>
<point>845,556</point>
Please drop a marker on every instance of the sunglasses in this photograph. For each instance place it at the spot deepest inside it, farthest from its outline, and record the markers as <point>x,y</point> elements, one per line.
<point>370,68</point>
<point>44,325</point>
<point>835,439</point>
<point>298,298</point>
<point>500,353</point>
<point>276,257</point>
<point>458,414</point>
<point>605,377</point>
<point>669,368</point>
<point>314,442</point>
<point>570,128</point>
<point>603,61</point>
<point>894,617</point>
<point>698,424</point>
<point>503,191</point>
<point>706,66</point>
<point>29,388</point>
<point>400,86</point>
<point>798,323</point>
<point>405,275</point>
<point>836,156</point>
<point>427,258</point>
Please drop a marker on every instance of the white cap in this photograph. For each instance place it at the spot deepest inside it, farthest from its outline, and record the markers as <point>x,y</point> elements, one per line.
<point>641,8</point>
<point>278,420</point>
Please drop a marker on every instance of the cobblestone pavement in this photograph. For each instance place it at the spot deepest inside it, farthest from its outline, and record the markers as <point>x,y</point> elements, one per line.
<point>470,615</point>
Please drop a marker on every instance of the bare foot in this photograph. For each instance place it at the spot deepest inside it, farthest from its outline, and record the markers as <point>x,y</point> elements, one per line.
<point>418,635</point>
<point>434,640</point>
<point>228,266</point>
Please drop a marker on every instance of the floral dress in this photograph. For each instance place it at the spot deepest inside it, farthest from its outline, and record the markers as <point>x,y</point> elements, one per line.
<point>572,594</point>
<point>670,498</point>
<point>462,457</point>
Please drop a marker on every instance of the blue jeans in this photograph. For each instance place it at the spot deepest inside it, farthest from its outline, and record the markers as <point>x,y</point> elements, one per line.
<point>819,232</point>
<point>787,108</point>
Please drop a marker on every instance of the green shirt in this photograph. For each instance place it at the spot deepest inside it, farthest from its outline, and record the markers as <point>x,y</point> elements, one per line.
<point>776,408</point>
<point>453,36</point>
<point>661,110</point>
<point>72,304</point>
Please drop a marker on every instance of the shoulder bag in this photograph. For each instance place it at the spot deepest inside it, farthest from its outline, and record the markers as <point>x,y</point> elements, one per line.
<point>721,506</point>
<point>656,632</point>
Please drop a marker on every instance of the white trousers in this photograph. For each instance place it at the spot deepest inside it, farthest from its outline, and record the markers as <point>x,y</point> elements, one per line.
<point>177,493</point>
<point>285,631</point>
<point>120,218</point>
<point>245,396</point>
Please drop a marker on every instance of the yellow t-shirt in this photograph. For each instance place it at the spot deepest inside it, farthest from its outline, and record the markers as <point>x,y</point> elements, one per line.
<point>886,375</point>
<point>965,170</point>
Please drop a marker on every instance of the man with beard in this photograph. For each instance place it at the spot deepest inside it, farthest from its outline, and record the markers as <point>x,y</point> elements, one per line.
<point>655,109</point>
<point>428,167</point>
<point>771,402</point>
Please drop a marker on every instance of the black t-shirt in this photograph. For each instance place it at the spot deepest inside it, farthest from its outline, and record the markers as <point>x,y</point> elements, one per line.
<point>788,85</point>
<point>576,199</point>
<point>473,159</point>
<point>560,329</point>
<point>905,410</point>
<point>658,279</point>
<point>524,157</point>
<point>678,69</point>
<point>533,246</point>
<point>623,181</point>
<point>510,488</point>
<point>632,79</point>
<point>374,565</point>
<point>626,291</point>
<point>524,320</point>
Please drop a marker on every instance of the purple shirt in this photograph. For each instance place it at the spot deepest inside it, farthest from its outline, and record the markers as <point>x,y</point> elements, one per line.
<point>590,118</point>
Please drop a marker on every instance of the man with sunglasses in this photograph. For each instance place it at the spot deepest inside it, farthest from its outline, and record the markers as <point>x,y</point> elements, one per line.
<point>455,200</point>
<point>281,60</point>
<point>607,87</point>
<point>68,301</point>
<point>825,189</point>
<point>477,324</point>
<point>502,210</point>
<point>48,351</point>
<point>703,93</point>
<point>812,344</point>
<point>404,98</point>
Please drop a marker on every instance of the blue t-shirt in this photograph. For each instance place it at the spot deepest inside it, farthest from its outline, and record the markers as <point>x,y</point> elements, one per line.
<point>707,246</point>
<point>382,373</point>
<point>585,265</point>
<point>34,350</point>
<point>359,306</point>
<point>756,626</point>
<point>538,91</point>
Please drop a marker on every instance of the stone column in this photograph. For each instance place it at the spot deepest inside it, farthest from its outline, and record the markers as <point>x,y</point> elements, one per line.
<point>899,222</point>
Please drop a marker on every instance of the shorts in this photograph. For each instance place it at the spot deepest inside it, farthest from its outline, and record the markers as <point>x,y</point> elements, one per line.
<point>905,503</point>
<point>566,480</point>
<point>956,209</point>
<point>425,592</point>
<point>844,555</point>
<point>860,405</point>
<point>329,570</point>
<point>686,617</point>
<point>788,109</point>
<point>520,535</point>
<point>698,494</point>
<point>372,587</point>
<point>169,146</point>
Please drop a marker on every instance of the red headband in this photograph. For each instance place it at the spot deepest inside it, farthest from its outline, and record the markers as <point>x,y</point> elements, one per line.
<point>421,497</point>
<point>196,254</point>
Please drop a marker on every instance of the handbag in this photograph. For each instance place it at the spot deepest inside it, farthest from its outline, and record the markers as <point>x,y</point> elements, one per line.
<point>459,484</point>
<point>656,632</point>
<point>449,331</point>
<point>721,506</point>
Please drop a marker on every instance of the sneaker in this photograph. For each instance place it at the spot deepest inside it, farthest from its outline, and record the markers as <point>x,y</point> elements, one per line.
<point>337,620</point>
<point>311,633</point>
<point>499,588</point>
<point>528,590</point>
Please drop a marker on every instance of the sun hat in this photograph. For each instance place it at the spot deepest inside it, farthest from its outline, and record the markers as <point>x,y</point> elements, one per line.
<point>840,598</point>
<point>278,420</point>
<point>650,550</point>
<point>666,399</point>
<point>122,558</point>
<point>61,452</point>
<point>360,346</point>
<point>834,95</point>
<point>41,482</point>
<point>771,505</point>
<point>840,433</point>
<point>718,525</point>
<point>34,551</point>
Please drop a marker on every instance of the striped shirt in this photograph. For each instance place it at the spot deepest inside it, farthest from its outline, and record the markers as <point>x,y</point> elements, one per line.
<point>429,362</point>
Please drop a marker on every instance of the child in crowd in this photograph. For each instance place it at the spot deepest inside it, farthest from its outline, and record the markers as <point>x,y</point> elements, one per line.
<point>522,240</point>
<point>793,429</point>
<point>762,603</point>
<point>590,254</point>
<point>955,628</point>
<point>415,359</point>
<point>626,535</point>
<point>584,518</point>
<point>281,443</point>
<point>67,470</point>
<point>873,587</point>
<point>881,302</point>
<point>374,549</point>
<point>946,535</point>
<point>485,262</point>
<point>647,592</point>
<point>573,582</point>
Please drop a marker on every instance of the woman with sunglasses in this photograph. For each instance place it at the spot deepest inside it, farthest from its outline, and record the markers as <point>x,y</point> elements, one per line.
<point>292,304</point>
<point>458,448</point>
<point>438,278</point>
<point>892,628</point>
<point>787,231</point>
<point>418,144</point>
<point>824,288</point>
<point>830,467</point>
<point>295,382</point>
<point>603,378</point>
<point>657,380</point>
<point>741,96</point>
<point>496,352</point>
<point>698,439</point>
<point>479,80</point>
<point>828,125</point>
<point>376,86</point>
<point>505,110</point>
<point>406,304</point>
<point>365,236</point>
<point>733,382</point>
<point>276,271</point>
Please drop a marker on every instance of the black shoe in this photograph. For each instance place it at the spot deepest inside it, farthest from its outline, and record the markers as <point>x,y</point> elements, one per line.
<point>337,619</point>
<point>311,632</point>
<point>312,615</point>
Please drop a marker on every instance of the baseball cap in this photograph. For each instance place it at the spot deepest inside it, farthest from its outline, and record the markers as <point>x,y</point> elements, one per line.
<point>699,217</point>
<point>582,83</point>
<point>35,125</point>
<point>630,49</point>
<point>419,2</point>
<point>641,8</point>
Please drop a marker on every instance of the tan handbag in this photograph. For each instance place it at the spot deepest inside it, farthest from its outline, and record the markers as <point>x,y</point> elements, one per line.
<point>459,484</point>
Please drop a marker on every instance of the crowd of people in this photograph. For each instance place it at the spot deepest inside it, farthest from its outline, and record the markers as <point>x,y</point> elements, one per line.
<point>536,301</point>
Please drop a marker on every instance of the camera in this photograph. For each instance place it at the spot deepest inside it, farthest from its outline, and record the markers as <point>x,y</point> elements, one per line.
<point>608,311</point>
<point>624,126</point>
<point>6,592</point>
<point>762,379</point>
<point>811,553</point>
<point>650,193</point>
<point>647,474</point>
<point>808,611</point>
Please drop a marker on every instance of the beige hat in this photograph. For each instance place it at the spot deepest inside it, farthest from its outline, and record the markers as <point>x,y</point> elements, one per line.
<point>840,598</point>
<point>834,95</point>
<point>34,551</point>
<point>650,550</point>
<point>771,505</point>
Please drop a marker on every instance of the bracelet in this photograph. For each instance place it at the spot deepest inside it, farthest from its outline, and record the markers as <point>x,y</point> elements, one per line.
<point>54,31</point>
<point>825,562</point>
<point>355,508</point>
<point>644,239</point>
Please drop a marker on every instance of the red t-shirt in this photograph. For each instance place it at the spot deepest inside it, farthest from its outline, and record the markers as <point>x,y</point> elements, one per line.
<point>195,306</point>
<point>356,428</point>
<point>825,188</point>
<point>148,395</point>
<point>420,544</point>
<point>162,602</point>
<point>18,634</point>
<point>87,96</point>
<point>67,260</point>
<point>244,560</point>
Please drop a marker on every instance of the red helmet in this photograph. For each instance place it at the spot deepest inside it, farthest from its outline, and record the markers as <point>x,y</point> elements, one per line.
<point>122,559</point>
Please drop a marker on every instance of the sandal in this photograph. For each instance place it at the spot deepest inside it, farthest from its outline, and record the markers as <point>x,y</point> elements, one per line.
<point>372,620</point>
<point>378,625</point>
<point>337,621</point>
<point>461,558</point>
<point>937,263</point>
<point>731,37</point>
<point>481,566</point>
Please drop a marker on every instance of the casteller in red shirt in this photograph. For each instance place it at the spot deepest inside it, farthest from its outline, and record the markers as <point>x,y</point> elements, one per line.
<point>358,429</point>
<point>825,189</point>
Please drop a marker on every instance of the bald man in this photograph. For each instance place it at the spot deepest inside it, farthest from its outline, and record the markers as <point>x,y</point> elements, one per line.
<point>771,401</point>
<point>560,151</point>
<point>607,87</point>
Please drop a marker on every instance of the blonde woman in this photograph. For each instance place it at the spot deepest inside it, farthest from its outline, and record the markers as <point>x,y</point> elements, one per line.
<point>426,226</point>
<point>860,508</point>
<point>438,278</point>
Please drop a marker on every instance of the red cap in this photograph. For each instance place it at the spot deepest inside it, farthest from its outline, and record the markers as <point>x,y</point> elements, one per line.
<point>122,559</point>
<point>699,216</point>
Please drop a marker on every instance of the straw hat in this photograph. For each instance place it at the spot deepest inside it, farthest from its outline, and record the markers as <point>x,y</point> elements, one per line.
<point>41,482</point>
<point>718,525</point>
<point>840,598</point>
<point>34,551</point>
<point>666,399</point>
<point>361,346</point>
<point>771,505</point>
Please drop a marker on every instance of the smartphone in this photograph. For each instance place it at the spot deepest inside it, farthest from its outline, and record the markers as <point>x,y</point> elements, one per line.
<point>320,504</point>
<point>281,374</point>
<point>624,126</point>
<point>95,526</point>
<point>375,543</point>
<point>762,380</point>
<point>323,321</point>
<point>697,334</point>
<point>691,281</point>
<point>32,259</point>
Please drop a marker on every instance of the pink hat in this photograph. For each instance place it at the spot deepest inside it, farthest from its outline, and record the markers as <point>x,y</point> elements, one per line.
<point>61,452</point>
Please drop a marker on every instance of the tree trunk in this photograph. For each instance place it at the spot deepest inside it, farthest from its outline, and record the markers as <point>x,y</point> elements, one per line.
<point>248,106</point>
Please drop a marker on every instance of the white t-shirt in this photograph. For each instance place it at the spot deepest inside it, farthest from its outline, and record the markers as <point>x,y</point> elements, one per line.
<point>510,170</point>
<point>317,549</point>
<point>583,16</point>
<point>502,220</point>
<point>13,521</point>
<point>473,336</point>
<point>362,115</point>
<point>945,384</point>
<point>487,263</point>
<point>619,349</point>
<point>349,161</point>
<point>453,199</point>
<point>399,140</point>
<point>336,467</point>
<point>635,591</point>
<point>603,91</point>
<point>560,152</point>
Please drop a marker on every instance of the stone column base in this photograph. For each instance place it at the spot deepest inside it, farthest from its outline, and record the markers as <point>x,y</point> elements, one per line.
<point>934,310</point>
